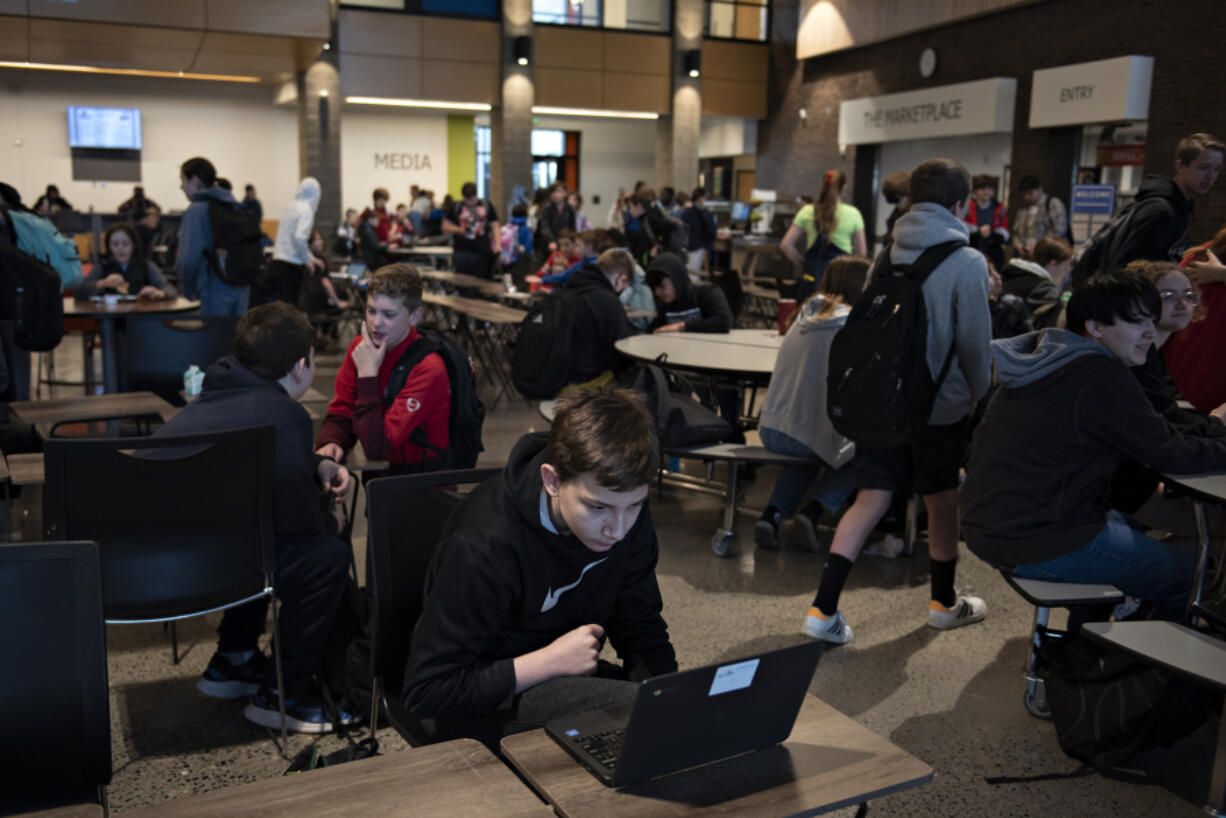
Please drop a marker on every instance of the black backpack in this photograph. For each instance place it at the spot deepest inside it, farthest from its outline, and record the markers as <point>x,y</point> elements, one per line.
<point>878,388</point>
<point>540,362</point>
<point>237,254</point>
<point>467,411</point>
<point>30,296</point>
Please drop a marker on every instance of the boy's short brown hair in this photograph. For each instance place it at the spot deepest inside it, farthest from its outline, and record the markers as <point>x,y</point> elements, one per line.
<point>941,181</point>
<point>1051,249</point>
<point>1193,145</point>
<point>606,432</point>
<point>616,262</point>
<point>400,281</point>
<point>271,338</point>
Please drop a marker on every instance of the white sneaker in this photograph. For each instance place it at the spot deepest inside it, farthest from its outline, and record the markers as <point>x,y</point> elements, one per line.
<point>966,610</point>
<point>888,546</point>
<point>833,629</point>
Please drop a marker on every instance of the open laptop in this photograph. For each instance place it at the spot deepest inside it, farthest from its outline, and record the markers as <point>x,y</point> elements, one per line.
<point>693,717</point>
<point>355,270</point>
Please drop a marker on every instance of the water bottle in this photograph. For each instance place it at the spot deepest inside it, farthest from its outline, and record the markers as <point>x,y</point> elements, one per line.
<point>193,380</point>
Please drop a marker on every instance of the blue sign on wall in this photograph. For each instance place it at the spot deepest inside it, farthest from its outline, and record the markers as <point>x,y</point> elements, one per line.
<point>1098,200</point>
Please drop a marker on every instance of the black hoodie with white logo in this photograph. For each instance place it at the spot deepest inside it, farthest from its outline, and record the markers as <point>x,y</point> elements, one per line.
<point>501,585</point>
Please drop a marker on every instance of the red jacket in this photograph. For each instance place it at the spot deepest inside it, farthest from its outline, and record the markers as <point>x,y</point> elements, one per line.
<point>1000,219</point>
<point>357,413</point>
<point>1192,354</point>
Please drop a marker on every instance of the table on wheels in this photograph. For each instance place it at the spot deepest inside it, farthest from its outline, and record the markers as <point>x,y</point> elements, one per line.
<point>106,314</point>
<point>829,761</point>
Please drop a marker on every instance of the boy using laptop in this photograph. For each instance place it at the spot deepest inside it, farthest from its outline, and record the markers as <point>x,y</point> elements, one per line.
<point>534,570</point>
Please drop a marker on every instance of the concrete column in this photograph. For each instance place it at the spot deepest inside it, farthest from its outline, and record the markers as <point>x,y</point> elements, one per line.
<point>684,125</point>
<point>511,118</point>
<point>319,135</point>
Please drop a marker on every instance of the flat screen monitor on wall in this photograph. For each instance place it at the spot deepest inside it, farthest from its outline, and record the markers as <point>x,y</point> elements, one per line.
<point>112,128</point>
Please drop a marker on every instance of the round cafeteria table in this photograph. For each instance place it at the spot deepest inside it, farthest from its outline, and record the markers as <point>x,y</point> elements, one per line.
<point>106,313</point>
<point>748,353</point>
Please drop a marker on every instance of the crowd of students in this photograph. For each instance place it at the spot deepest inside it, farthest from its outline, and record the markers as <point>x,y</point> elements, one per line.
<point>1051,389</point>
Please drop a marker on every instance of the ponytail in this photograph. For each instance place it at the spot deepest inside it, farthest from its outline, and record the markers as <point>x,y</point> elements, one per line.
<point>833,182</point>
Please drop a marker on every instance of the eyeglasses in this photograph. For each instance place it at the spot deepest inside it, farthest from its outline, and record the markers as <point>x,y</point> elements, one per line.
<point>1189,296</point>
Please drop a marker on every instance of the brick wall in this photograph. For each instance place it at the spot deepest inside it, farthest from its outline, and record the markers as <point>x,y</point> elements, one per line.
<point>1189,85</point>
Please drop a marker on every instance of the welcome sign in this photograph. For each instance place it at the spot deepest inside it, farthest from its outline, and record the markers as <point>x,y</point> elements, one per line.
<point>983,106</point>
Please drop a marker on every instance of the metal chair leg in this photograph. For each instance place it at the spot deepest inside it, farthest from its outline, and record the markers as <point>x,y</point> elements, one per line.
<point>375,693</point>
<point>174,643</point>
<point>276,654</point>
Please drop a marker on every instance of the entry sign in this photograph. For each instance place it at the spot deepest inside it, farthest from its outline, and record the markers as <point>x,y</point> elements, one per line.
<point>1092,206</point>
<point>1101,91</point>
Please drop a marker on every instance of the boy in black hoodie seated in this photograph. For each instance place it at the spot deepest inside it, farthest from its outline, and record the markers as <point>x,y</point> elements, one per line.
<point>272,366</point>
<point>600,319</point>
<point>680,305</point>
<point>535,569</point>
<point>1068,413</point>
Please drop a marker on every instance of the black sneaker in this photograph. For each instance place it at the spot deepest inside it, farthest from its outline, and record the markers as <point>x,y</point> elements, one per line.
<point>223,679</point>
<point>304,712</point>
<point>766,530</point>
<point>807,521</point>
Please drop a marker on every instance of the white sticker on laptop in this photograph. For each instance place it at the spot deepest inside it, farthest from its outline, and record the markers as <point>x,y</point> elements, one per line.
<point>733,677</point>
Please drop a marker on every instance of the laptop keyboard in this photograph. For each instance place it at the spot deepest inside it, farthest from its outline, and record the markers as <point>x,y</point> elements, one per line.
<point>606,747</point>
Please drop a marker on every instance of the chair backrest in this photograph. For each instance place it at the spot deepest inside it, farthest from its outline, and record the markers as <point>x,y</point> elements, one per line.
<point>405,518</point>
<point>56,714</point>
<point>159,350</point>
<point>184,523</point>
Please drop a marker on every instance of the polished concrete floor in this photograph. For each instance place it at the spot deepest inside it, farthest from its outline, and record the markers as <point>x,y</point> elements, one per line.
<point>954,699</point>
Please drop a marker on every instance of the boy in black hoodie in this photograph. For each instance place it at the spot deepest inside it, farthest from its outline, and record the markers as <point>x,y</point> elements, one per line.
<point>1068,413</point>
<point>680,305</point>
<point>600,319</point>
<point>534,570</point>
<point>272,366</point>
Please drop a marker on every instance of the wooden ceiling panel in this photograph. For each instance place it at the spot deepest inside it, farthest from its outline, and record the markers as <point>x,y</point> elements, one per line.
<point>368,32</point>
<point>371,76</point>
<point>557,47</point>
<point>637,53</point>
<point>734,61</point>
<point>733,98</point>
<point>635,92</point>
<point>285,18</point>
<point>121,36</point>
<point>569,88</point>
<point>460,81</point>
<point>450,38</point>
<point>177,14</point>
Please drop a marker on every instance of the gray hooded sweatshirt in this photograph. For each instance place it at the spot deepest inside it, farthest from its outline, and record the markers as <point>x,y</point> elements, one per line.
<point>956,299</point>
<point>796,399</point>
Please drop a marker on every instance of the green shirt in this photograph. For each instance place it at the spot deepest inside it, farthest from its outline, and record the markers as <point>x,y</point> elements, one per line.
<point>847,220</point>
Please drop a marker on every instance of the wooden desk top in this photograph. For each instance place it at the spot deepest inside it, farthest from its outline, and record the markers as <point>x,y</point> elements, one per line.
<point>1169,644</point>
<point>476,308</point>
<point>422,250</point>
<point>1203,488</point>
<point>92,407</point>
<point>828,761</point>
<point>140,306</point>
<point>453,778</point>
<point>26,469</point>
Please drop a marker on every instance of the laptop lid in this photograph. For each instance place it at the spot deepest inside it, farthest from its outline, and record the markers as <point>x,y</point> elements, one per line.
<point>693,717</point>
<point>356,270</point>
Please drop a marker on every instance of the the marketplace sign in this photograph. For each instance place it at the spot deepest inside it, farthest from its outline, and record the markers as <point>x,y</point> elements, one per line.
<point>983,106</point>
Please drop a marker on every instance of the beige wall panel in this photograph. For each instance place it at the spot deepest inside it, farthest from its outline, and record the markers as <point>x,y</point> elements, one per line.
<point>635,92</point>
<point>734,61</point>
<point>446,38</point>
<point>637,53</point>
<point>122,36</point>
<point>14,36</point>
<point>110,55</point>
<point>556,47</point>
<point>280,47</point>
<point>288,18</point>
<point>367,76</point>
<point>459,81</point>
<point>260,65</point>
<point>175,13</point>
<point>567,88</point>
<point>368,32</point>
<point>733,98</point>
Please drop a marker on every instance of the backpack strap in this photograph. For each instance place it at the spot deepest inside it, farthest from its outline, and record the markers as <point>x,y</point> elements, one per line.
<point>410,358</point>
<point>920,269</point>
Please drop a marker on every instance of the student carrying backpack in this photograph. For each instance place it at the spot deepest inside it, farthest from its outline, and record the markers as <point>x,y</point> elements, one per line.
<point>878,385</point>
<point>540,361</point>
<point>467,411</point>
<point>30,290</point>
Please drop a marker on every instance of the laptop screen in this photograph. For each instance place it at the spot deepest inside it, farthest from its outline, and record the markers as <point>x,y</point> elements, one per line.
<point>356,270</point>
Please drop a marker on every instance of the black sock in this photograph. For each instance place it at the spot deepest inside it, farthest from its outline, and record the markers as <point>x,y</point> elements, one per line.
<point>943,581</point>
<point>834,576</point>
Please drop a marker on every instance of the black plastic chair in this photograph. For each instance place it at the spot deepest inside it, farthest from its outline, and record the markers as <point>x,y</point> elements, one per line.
<point>184,523</point>
<point>157,351</point>
<point>405,519</point>
<point>56,713</point>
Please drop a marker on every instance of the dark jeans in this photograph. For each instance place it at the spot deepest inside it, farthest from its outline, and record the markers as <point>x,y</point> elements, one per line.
<point>563,696</point>
<point>473,264</point>
<point>289,280</point>
<point>311,573</point>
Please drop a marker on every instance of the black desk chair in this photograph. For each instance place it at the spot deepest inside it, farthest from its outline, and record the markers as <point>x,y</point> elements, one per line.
<point>56,712</point>
<point>184,523</point>
<point>157,351</point>
<point>405,517</point>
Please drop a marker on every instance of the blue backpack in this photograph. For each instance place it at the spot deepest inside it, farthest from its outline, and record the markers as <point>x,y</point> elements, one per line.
<point>38,237</point>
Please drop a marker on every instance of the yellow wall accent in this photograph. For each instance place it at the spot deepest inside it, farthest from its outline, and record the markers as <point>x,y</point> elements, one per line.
<point>461,153</point>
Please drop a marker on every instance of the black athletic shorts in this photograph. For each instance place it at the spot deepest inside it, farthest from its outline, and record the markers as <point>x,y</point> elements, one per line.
<point>929,463</point>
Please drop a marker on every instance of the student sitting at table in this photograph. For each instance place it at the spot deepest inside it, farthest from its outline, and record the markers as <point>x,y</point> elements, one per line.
<point>368,240</point>
<point>535,569</point>
<point>794,420</point>
<point>682,306</point>
<point>600,319</point>
<point>272,366</point>
<point>563,257</point>
<point>406,428</point>
<point>1068,413</point>
<point>125,268</point>
<point>585,252</point>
